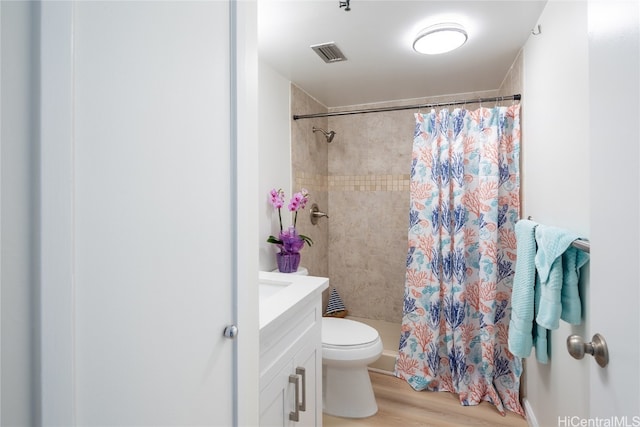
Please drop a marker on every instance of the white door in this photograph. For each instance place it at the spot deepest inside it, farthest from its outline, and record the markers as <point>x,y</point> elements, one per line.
<point>614,72</point>
<point>138,271</point>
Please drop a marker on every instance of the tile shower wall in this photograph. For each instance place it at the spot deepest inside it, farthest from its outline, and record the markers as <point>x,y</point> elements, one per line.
<point>361,180</point>
<point>369,164</point>
<point>309,169</point>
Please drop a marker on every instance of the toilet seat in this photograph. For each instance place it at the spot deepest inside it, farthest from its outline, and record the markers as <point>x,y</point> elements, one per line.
<point>338,332</point>
<point>350,347</point>
<point>346,342</point>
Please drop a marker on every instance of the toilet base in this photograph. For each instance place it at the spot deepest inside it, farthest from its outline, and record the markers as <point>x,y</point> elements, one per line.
<point>347,392</point>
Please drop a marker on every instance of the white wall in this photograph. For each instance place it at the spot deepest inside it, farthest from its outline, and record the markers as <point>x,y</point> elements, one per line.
<point>19,156</point>
<point>274,124</point>
<point>555,177</point>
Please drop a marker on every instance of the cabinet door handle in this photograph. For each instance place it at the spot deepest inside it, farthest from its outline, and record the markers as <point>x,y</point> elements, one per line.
<point>303,374</point>
<point>295,415</point>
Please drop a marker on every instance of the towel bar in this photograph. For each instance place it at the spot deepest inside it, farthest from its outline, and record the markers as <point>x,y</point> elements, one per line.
<point>582,245</point>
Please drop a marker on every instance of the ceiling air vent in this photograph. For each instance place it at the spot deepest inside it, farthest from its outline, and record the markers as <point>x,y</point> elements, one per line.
<point>329,52</point>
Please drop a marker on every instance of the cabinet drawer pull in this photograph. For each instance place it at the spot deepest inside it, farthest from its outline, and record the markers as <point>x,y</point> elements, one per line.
<point>295,415</point>
<point>301,371</point>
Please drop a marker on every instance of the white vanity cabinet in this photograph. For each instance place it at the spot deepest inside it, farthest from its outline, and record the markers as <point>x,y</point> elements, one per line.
<point>291,365</point>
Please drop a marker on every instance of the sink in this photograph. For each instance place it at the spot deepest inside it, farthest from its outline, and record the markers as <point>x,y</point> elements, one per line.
<point>280,293</point>
<point>268,288</point>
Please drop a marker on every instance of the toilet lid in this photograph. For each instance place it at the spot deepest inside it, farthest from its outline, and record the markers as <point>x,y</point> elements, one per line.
<point>345,332</point>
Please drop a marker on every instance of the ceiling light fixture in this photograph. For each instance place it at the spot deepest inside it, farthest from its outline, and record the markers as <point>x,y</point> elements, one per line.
<point>440,38</point>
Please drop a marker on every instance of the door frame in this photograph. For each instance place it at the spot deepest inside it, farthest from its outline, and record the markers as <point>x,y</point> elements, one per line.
<point>56,215</point>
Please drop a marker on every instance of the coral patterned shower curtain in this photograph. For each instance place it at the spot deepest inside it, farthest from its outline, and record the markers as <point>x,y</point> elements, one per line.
<point>461,259</point>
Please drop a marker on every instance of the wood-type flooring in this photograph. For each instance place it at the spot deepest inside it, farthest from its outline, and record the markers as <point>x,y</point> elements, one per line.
<point>400,405</point>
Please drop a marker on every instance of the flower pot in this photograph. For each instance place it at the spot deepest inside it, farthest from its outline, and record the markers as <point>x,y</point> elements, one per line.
<point>288,261</point>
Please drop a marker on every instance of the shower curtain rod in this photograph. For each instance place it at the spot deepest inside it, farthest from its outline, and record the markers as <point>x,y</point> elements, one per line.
<point>515,97</point>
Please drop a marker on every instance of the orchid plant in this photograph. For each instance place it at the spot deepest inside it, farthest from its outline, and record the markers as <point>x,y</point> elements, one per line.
<point>289,240</point>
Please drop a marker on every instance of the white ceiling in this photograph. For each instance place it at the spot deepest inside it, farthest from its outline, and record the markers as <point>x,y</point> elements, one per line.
<point>376,37</point>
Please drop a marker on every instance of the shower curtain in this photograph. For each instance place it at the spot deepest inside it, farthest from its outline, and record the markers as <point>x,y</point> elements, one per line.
<point>461,259</point>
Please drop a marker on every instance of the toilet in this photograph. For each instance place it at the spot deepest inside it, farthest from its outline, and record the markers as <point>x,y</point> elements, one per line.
<point>347,348</point>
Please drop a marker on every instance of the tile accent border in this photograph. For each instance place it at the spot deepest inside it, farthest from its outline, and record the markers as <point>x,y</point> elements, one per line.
<point>369,182</point>
<point>309,181</point>
<point>353,182</point>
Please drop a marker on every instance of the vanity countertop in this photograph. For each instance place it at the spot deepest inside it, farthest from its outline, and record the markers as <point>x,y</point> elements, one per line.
<point>280,292</point>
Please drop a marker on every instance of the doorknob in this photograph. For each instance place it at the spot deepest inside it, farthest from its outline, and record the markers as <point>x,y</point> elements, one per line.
<point>597,348</point>
<point>230,331</point>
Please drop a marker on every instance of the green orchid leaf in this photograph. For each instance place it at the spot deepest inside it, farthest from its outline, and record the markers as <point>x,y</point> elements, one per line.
<point>306,239</point>
<point>272,239</point>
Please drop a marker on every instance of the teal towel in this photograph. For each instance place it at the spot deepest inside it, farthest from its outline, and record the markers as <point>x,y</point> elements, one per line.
<point>522,296</point>
<point>572,261</point>
<point>540,333</point>
<point>550,305</point>
<point>558,264</point>
<point>556,295</point>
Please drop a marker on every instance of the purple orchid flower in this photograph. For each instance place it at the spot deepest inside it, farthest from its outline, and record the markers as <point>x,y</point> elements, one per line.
<point>289,241</point>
